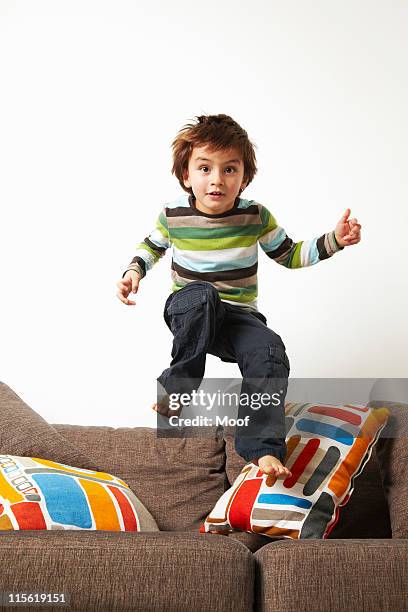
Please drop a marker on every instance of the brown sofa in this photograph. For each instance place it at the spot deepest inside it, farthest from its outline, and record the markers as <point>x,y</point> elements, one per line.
<point>179,480</point>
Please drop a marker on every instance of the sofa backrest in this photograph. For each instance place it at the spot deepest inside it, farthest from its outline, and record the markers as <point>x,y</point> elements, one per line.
<point>180,479</point>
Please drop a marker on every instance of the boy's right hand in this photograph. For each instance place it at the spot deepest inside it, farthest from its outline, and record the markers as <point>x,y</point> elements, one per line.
<point>130,282</point>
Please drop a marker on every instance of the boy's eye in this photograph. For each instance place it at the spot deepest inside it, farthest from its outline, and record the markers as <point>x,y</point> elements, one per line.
<point>229,168</point>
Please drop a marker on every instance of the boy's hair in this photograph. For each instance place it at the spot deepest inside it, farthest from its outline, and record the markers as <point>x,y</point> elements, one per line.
<point>218,132</point>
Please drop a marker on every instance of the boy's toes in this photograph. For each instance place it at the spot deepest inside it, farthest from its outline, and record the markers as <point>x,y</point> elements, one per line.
<point>160,409</point>
<point>274,468</point>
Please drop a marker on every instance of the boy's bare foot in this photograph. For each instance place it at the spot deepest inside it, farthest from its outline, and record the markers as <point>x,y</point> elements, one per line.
<point>163,407</point>
<point>269,464</point>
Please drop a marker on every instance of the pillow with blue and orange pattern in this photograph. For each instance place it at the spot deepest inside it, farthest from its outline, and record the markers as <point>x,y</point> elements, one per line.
<point>327,448</point>
<point>41,494</point>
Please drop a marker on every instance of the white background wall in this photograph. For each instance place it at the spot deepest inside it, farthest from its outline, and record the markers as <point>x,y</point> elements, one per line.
<point>92,95</point>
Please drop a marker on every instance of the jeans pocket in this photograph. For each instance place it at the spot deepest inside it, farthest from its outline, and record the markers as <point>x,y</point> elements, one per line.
<point>184,303</point>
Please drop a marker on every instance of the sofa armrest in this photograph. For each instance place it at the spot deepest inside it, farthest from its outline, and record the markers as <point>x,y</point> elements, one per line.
<point>369,575</point>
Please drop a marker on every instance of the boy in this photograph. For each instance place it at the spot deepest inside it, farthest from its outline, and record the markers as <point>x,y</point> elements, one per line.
<point>212,308</point>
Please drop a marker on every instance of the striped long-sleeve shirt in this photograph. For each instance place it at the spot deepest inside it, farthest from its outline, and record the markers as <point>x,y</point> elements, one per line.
<point>222,249</point>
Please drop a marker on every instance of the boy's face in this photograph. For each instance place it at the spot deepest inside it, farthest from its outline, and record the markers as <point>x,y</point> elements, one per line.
<point>210,171</point>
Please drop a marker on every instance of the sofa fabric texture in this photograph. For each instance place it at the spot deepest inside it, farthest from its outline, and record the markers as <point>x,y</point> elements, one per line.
<point>116,571</point>
<point>316,575</point>
<point>177,479</point>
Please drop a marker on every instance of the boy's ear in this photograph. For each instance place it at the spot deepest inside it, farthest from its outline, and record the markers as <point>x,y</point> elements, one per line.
<point>185,179</point>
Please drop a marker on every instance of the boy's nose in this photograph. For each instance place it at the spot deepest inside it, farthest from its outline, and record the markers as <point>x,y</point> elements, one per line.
<point>216,178</point>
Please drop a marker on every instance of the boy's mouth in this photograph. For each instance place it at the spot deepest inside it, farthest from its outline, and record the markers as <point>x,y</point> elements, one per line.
<point>215,194</point>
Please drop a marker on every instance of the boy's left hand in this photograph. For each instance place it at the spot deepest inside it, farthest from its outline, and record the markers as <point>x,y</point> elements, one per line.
<point>347,231</point>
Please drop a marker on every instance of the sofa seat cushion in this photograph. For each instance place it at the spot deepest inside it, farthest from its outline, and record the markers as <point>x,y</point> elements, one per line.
<point>118,571</point>
<point>40,494</point>
<point>327,448</point>
<point>317,575</point>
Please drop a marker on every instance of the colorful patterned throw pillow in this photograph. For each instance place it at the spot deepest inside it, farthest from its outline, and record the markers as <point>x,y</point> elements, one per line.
<point>327,448</point>
<point>41,494</point>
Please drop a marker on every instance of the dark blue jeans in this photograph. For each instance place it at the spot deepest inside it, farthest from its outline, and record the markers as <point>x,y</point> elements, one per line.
<point>201,323</point>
